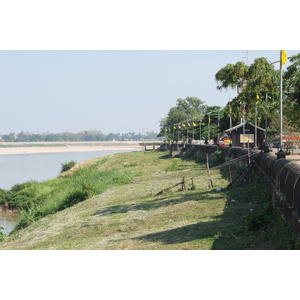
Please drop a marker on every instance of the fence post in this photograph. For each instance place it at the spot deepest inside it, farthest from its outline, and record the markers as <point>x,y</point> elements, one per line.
<point>210,184</point>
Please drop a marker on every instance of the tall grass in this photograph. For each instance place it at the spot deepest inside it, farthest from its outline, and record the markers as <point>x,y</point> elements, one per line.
<point>36,200</point>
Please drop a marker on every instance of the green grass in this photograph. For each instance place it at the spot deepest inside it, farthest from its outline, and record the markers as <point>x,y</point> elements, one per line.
<point>114,205</point>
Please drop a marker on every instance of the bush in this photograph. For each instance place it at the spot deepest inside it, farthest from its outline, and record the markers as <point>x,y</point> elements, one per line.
<point>262,218</point>
<point>67,166</point>
<point>75,197</point>
<point>4,196</point>
<point>217,158</point>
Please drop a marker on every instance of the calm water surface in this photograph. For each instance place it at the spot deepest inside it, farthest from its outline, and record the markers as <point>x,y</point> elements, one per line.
<point>8,221</point>
<point>21,168</point>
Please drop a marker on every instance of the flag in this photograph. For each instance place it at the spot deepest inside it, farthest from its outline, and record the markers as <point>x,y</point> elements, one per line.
<point>189,124</point>
<point>283,57</point>
<point>183,125</point>
<point>230,110</point>
<point>194,124</point>
<point>257,99</point>
<point>174,127</point>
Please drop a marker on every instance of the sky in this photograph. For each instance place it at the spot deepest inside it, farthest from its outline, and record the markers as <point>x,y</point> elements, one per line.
<point>119,66</point>
<point>108,90</point>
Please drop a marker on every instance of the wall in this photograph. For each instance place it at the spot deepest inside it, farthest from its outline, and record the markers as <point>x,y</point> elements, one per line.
<point>281,175</point>
<point>283,178</point>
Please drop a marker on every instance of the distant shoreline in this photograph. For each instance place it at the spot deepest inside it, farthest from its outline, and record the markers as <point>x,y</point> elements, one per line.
<point>58,147</point>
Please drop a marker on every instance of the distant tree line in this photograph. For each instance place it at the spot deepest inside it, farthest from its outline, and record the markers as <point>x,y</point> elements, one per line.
<point>84,136</point>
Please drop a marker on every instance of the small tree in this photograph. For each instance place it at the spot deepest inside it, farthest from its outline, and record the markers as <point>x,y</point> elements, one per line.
<point>67,166</point>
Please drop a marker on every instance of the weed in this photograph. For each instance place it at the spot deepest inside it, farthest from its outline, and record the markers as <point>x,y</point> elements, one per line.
<point>262,218</point>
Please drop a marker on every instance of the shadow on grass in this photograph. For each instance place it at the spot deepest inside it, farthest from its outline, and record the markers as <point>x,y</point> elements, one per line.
<point>188,233</point>
<point>154,204</point>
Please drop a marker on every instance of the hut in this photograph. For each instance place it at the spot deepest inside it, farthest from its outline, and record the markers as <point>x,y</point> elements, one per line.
<point>245,133</point>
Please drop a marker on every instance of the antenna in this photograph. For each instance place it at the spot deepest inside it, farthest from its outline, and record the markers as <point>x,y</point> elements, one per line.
<point>245,57</point>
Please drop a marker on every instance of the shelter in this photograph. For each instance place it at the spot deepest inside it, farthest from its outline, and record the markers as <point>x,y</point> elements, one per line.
<point>245,133</point>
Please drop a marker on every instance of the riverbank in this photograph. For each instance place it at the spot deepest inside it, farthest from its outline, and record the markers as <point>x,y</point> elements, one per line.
<point>134,213</point>
<point>60,147</point>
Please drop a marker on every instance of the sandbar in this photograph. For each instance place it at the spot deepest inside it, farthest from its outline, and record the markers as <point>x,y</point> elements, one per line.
<point>58,147</point>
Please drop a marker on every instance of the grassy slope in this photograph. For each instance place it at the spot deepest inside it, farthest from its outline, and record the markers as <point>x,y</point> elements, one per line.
<point>132,216</point>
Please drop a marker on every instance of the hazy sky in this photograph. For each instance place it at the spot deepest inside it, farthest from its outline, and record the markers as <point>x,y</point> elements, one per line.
<point>112,91</point>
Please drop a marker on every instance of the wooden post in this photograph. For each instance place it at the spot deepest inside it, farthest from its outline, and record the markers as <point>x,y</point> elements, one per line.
<point>183,184</point>
<point>210,184</point>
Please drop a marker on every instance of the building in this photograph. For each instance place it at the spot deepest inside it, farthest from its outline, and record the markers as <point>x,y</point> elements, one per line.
<point>245,133</point>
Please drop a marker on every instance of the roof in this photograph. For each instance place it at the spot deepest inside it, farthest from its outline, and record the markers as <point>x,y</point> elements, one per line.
<point>241,125</point>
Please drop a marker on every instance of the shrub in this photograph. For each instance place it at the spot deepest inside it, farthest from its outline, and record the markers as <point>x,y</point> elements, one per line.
<point>217,158</point>
<point>4,196</point>
<point>2,235</point>
<point>74,197</point>
<point>262,218</point>
<point>67,166</point>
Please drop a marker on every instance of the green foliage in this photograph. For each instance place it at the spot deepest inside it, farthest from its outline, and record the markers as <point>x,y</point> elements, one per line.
<point>67,166</point>
<point>36,200</point>
<point>2,235</point>
<point>232,75</point>
<point>76,196</point>
<point>4,196</point>
<point>260,219</point>
<point>261,79</point>
<point>217,158</point>
<point>191,109</point>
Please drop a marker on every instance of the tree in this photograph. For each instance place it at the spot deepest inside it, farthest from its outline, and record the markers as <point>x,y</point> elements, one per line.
<point>188,109</point>
<point>185,109</point>
<point>232,75</point>
<point>291,88</point>
<point>258,87</point>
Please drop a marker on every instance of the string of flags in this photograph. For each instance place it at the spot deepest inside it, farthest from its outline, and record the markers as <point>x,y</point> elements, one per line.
<point>183,125</point>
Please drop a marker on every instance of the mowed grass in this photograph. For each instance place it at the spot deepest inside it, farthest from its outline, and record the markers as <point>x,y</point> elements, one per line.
<point>133,215</point>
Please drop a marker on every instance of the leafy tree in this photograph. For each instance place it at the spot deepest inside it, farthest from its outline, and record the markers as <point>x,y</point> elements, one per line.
<point>232,76</point>
<point>9,137</point>
<point>291,87</point>
<point>186,109</point>
<point>258,87</point>
<point>183,121</point>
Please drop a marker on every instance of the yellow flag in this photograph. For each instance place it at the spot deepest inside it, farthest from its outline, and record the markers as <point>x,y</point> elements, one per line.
<point>257,99</point>
<point>283,57</point>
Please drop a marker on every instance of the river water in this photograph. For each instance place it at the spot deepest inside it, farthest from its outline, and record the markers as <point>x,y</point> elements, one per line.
<point>21,168</point>
<point>8,221</point>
